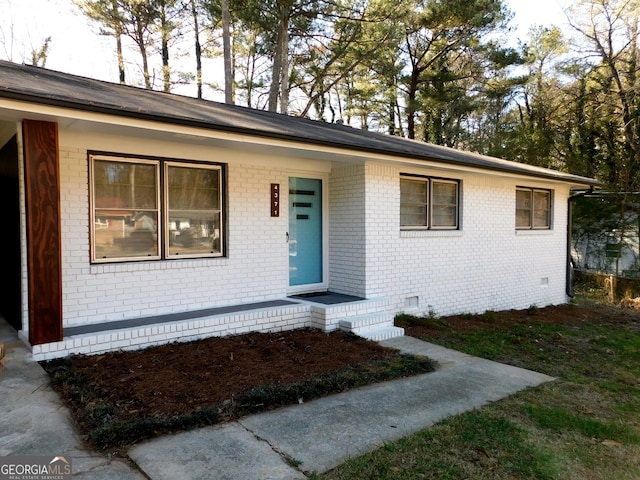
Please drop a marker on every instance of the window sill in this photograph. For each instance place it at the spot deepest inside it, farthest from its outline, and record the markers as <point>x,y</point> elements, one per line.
<point>430,233</point>
<point>527,233</point>
<point>98,268</point>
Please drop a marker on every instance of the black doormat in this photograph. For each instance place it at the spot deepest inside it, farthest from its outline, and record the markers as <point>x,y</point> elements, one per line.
<point>328,298</point>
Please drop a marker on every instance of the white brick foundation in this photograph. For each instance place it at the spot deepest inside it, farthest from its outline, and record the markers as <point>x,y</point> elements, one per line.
<point>262,320</point>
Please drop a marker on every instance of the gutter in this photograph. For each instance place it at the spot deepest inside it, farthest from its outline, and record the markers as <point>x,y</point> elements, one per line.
<point>569,271</point>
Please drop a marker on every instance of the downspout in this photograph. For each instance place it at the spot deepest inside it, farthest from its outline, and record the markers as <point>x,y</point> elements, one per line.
<point>569,273</point>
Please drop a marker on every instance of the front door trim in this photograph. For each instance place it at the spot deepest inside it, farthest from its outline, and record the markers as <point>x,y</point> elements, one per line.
<point>324,284</point>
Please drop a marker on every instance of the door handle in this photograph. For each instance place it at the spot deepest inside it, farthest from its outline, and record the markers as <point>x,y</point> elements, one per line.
<point>287,237</point>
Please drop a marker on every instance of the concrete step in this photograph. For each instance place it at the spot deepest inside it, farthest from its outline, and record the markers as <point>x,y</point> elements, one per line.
<point>367,321</point>
<point>328,317</point>
<point>380,334</point>
<point>373,326</point>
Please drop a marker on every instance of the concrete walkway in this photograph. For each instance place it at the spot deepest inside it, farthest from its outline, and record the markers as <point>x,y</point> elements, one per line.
<point>281,444</point>
<point>34,421</point>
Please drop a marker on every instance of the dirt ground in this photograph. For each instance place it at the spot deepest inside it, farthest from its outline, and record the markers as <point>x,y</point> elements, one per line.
<point>559,315</point>
<point>180,378</point>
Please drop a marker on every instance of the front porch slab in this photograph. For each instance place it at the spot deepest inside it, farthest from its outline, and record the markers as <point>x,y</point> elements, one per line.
<point>331,312</point>
<point>180,327</point>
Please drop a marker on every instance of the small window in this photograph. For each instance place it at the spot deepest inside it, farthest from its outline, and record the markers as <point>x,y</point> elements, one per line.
<point>444,204</point>
<point>130,222</point>
<point>428,203</point>
<point>533,208</point>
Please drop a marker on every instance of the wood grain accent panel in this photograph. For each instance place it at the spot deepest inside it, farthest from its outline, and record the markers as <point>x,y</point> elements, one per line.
<point>44,259</point>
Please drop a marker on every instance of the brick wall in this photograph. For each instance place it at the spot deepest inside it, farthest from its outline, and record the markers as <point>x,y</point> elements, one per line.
<point>347,270</point>
<point>256,267</point>
<point>486,265</point>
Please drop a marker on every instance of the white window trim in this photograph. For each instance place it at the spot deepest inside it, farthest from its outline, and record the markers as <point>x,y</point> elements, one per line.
<point>533,232</point>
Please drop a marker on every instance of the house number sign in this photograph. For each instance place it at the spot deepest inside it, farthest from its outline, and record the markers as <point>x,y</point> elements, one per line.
<point>275,199</point>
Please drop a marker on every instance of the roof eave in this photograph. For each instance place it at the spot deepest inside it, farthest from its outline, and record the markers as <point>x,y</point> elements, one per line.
<point>516,168</point>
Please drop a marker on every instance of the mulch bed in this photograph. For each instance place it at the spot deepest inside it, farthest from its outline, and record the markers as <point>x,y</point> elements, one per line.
<point>437,328</point>
<point>119,398</point>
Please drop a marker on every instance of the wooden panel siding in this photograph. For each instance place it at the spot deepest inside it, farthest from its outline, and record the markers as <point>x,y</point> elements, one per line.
<point>44,263</point>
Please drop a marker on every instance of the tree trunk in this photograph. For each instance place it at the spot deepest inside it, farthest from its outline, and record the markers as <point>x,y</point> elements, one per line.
<point>284,74</point>
<point>143,53</point>
<point>399,116</point>
<point>411,104</point>
<point>166,73</point>
<point>145,67</point>
<point>226,44</point>
<point>391,128</point>
<point>117,30</point>
<point>278,75</point>
<point>120,57</point>
<point>196,30</point>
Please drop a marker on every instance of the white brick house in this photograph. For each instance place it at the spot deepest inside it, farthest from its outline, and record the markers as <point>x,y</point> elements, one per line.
<point>142,218</point>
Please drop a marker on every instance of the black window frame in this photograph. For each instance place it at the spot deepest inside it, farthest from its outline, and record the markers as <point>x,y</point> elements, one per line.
<point>429,204</point>
<point>532,217</point>
<point>162,165</point>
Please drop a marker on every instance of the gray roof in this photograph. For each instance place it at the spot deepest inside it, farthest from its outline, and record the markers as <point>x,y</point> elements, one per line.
<point>48,87</point>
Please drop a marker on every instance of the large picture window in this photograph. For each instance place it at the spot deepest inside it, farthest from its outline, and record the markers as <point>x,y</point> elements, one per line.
<point>533,209</point>
<point>138,213</point>
<point>429,203</point>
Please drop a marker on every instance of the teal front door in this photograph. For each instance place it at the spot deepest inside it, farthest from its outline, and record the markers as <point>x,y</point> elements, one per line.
<point>305,231</point>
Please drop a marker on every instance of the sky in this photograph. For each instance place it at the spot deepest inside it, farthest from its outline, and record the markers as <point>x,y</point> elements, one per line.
<point>76,47</point>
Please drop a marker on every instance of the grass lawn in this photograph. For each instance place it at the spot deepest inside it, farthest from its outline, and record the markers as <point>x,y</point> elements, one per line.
<point>584,425</point>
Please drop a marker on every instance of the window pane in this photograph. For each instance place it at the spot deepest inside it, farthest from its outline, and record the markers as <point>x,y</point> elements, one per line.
<point>413,215</point>
<point>541,209</point>
<point>523,208</point>
<point>125,210</point>
<point>413,202</point>
<point>194,215</point>
<point>124,185</point>
<point>125,234</point>
<point>445,204</point>
<point>194,232</point>
<point>444,216</point>
<point>444,193</point>
<point>193,188</point>
<point>413,191</point>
